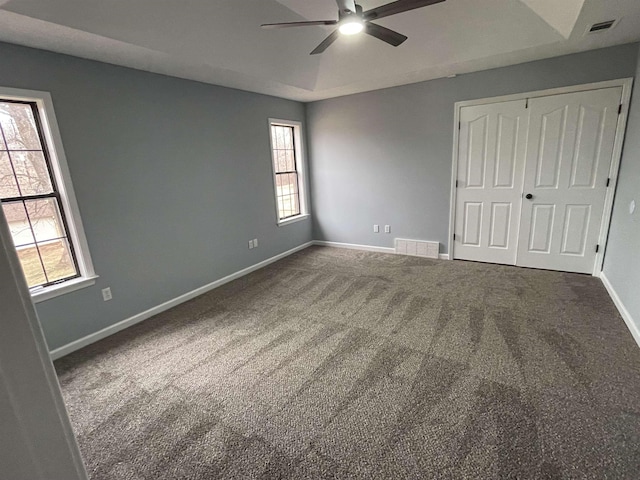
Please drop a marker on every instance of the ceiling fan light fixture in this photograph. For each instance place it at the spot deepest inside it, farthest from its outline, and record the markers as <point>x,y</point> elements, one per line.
<point>351,26</point>
<point>353,20</point>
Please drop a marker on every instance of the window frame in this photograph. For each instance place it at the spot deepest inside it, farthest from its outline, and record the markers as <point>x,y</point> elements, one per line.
<point>59,170</point>
<point>300,163</point>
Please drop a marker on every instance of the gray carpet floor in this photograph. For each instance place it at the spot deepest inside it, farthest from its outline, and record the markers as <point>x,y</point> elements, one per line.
<point>344,364</point>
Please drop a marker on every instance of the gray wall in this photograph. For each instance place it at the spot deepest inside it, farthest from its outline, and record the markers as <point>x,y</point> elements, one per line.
<point>622,258</point>
<point>384,157</point>
<point>172,177</point>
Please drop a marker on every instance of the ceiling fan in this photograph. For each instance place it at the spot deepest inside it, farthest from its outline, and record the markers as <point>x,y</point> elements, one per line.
<point>352,19</point>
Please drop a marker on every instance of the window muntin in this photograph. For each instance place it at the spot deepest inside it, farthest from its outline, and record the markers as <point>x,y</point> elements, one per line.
<point>30,198</point>
<point>287,163</point>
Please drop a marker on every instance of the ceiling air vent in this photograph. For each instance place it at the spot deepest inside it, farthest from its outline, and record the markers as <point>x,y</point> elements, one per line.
<point>601,27</point>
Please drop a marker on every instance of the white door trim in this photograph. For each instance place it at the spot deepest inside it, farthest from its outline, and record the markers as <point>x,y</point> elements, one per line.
<point>40,443</point>
<point>625,83</point>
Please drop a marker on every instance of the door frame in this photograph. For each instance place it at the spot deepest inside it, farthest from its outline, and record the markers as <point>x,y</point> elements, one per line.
<point>43,445</point>
<point>625,83</point>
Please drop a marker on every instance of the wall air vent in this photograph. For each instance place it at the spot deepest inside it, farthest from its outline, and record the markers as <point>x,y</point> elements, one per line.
<point>417,248</point>
<point>601,26</point>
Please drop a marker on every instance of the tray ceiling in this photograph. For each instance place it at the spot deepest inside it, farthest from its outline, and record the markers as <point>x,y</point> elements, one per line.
<point>221,42</point>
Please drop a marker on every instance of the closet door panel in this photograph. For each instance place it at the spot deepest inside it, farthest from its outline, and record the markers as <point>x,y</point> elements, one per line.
<point>491,153</point>
<point>569,152</point>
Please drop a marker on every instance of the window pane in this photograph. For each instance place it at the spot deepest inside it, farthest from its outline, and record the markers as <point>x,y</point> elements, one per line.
<point>288,137</point>
<point>16,216</point>
<point>288,201</point>
<point>45,219</point>
<point>274,137</point>
<point>286,206</point>
<point>294,204</point>
<point>279,137</point>
<point>19,126</point>
<point>289,184</point>
<point>31,265</point>
<point>290,161</point>
<point>281,213</point>
<point>283,148</point>
<point>32,172</point>
<point>288,196</point>
<point>8,184</point>
<point>279,160</point>
<point>57,260</point>
<point>52,251</point>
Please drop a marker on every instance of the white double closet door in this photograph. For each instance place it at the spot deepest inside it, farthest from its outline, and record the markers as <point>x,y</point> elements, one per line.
<point>532,178</point>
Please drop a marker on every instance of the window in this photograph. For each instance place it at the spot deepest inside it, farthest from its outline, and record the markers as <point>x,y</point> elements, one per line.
<point>288,171</point>
<point>36,199</point>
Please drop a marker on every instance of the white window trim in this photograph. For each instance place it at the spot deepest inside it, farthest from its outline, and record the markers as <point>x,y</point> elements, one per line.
<point>60,171</point>
<point>300,168</point>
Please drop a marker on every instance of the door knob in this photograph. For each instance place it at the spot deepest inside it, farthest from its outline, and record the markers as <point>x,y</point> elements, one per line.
<point>528,196</point>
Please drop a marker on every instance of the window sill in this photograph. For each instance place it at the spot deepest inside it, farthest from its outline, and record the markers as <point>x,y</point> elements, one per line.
<point>298,218</point>
<point>53,291</point>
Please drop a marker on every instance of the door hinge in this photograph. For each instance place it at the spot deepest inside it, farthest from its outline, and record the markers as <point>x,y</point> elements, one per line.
<point>608,181</point>
<point>459,125</point>
<point>454,237</point>
<point>456,183</point>
<point>597,248</point>
<point>619,109</point>
<point>526,105</point>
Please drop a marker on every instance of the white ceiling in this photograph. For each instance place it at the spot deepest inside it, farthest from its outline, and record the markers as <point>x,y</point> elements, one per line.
<point>220,42</point>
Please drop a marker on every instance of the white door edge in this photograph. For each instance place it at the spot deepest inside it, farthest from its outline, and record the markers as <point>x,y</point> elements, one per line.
<point>625,83</point>
<point>613,175</point>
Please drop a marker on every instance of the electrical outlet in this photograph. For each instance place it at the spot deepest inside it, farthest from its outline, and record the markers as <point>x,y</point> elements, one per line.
<point>255,243</point>
<point>376,229</point>
<point>106,294</point>
<point>387,229</point>
<point>250,243</point>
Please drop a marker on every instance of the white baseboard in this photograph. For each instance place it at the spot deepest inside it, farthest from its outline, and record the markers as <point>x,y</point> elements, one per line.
<point>366,248</point>
<point>353,246</point>
<point>624,313</point>
<point>116,327</point>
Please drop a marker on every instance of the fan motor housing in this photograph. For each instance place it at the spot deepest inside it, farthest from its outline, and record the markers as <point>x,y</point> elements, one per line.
<point>347,13</point>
